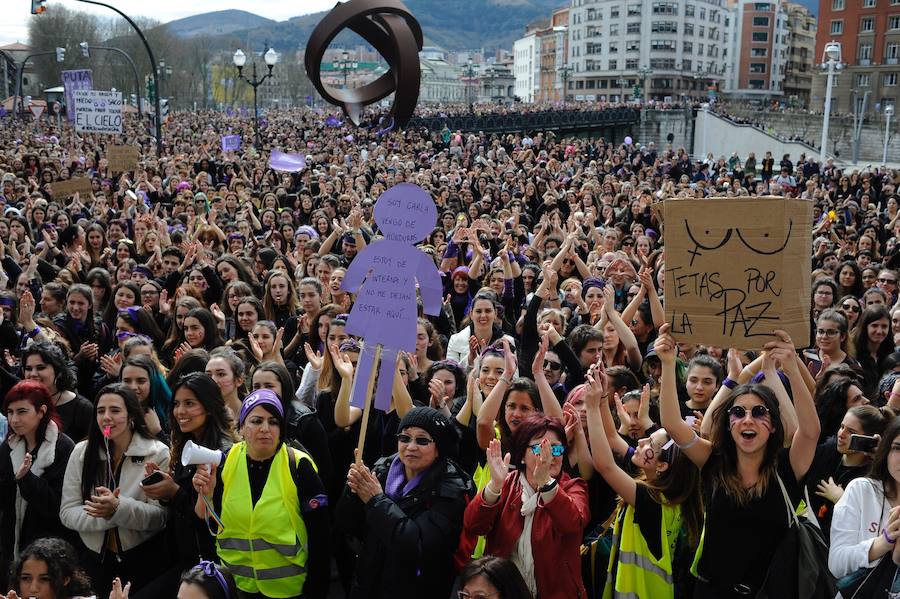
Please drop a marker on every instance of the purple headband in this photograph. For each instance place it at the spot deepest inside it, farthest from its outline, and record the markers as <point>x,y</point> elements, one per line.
<point>351,345</point>
<point>209,569</point>
<point>7,301</point>
<point>260,397</point>
<point>131,313</point>
<point>143,269</point>
<point>591,282</point>
<point>313,234</point>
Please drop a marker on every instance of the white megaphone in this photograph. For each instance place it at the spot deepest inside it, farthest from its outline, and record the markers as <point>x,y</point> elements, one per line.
<point>197,454</point>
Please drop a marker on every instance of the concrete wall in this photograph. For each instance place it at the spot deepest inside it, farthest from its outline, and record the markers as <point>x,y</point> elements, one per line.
<point>656,125</point>
<point>722,137</point>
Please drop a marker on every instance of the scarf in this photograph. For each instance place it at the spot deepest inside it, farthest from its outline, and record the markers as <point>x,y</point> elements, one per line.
<point>44,459</point>
<point>396,487</point>
<point>522,555</point>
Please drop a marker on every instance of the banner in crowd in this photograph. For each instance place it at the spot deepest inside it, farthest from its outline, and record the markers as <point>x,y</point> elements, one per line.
<point>231,143</point>
<point>98,111</point>
<point>737,269</point>
<point>123,159</point>
<point>63,189</point>
<point>291,163</point>
<point>72,81</point>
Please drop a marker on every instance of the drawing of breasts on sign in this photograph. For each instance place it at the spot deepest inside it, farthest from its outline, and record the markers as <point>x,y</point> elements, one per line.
<point>393,31</point>
<point>737,269</point>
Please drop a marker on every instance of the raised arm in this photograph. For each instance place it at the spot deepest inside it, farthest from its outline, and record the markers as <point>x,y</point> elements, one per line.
<point>806,437</point>
<point>788,413</point>
<point>484,427</point>
<point>604,462</point>
<point>633,352</point>
<point>696,449</point>
<point>548,398</point>
<point>344,414</point>
<point>734,372</point>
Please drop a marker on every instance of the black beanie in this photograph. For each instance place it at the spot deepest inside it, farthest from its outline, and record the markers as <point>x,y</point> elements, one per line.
<point>435,424</point>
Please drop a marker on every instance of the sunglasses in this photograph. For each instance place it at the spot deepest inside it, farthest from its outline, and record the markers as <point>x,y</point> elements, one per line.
<point>827,332</point>
<point>886,280</point>
<point>554,366</point>
<point>851,307</point>
<point>420,441</point>
<point>758,412</point>
<point>556,449</point>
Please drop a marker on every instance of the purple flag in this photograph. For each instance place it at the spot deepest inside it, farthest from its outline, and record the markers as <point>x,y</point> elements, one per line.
<point>291,163</point>
<point>229,111</point>
<point>231,143</point>
<point>333,121</point>
<point>73,80</point>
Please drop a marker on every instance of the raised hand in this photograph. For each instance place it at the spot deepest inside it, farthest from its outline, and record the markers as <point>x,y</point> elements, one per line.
<point>665,346</point>
<point>111,365</point>
<point>314,358</point>
<point>341,362</point>
<point>537,365</point>
<point>498,465</point>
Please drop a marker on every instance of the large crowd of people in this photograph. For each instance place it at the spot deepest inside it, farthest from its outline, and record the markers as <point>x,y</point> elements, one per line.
<point>549,437</point>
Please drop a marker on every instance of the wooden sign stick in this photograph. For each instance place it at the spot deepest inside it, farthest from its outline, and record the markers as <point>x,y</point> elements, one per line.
<point>367,406</point>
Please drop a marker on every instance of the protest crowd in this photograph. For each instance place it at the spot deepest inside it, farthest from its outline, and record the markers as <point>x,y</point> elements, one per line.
<point>550,436</point>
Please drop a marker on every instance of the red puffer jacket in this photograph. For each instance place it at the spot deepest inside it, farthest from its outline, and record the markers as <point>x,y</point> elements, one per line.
<point>556,532</point>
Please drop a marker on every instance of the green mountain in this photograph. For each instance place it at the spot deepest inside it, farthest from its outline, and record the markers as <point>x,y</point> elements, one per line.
<point>451,24</point>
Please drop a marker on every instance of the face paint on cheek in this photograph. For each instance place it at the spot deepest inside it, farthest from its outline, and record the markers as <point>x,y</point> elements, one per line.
<point>648,456</point>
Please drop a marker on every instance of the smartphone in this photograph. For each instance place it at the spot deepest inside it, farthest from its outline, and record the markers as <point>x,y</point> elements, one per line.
<point>863,443</point>
<point>156,477</point>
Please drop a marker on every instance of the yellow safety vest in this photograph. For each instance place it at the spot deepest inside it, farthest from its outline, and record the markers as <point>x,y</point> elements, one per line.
<point>639,575</point>
<point>264,555</point>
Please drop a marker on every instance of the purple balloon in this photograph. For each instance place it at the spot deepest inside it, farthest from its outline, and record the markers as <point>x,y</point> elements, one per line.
<point>349,138</point>
<point>628,140</point>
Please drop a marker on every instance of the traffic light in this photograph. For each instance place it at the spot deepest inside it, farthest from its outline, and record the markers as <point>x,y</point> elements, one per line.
<point>85,49</point>
<point>37,7</point>
<point>60,55</point>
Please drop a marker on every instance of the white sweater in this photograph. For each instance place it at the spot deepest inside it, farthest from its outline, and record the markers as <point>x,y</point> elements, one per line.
<point>860,515</point>
<point>458,346</point>
<point>138,517</point>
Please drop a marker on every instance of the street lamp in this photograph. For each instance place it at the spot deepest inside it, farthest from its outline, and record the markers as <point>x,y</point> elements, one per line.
<point>469,72</point>
<point>832,63</point>
<point>345,65</point>
<point>565,72</point>
<point>645,72</point>
<point>888,113</point>
<point>240,59</point>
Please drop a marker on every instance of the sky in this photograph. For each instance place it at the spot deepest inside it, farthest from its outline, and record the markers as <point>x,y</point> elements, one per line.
<point>14,23</point>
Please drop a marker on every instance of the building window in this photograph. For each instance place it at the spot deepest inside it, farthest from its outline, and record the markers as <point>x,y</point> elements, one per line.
<point>890,79</point>
<point>689,29</point>
<point>892,53</point>
<point>664,27</point>
<point>760,21</point>
<point>760,36</point>
<point>894,22</point>
<point>865,52</point>
<point>614,12</point>
<point>633,46</point>
<point>662,63</point>
<point>869,3</point>
<point>757,84</point>
<point>613,65</point>
<point>665,8</point>
<point>613,47</point>
<point>703,13</point>
<point>762,7</point>
<point>687,47</point>
<point>634,10</point>
<point>701,31</point>
<point>837,4</point>
<point>759,52</point>
<point>837,27</point>
<point>633,28</point>
<point>700,49</point>
<point>686,65</point>
<point>614,29</point>
<point>663,45</point>
<point>632,63</point>
<point>689,10</point>
<point>758,67</point>
<point>867,25</point>
<point>862,80</point>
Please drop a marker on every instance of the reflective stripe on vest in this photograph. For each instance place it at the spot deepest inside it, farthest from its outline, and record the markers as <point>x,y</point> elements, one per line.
<point>264,545</point>
<point>638,574</point>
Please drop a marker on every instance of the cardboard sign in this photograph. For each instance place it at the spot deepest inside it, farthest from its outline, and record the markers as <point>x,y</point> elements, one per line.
<point>123,158</point>
<point>231,143</point>
<point>72,81</point>
<point>98,111</point>
<point>63,189</point>
<point>738,269</point>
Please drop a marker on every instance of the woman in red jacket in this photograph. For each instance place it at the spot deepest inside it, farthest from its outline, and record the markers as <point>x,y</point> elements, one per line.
<point>535,515</point>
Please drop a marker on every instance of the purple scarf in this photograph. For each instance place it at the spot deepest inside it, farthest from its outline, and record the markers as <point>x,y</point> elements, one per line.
<point>396,486</point>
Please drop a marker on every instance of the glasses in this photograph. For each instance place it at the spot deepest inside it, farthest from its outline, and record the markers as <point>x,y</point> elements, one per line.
<point>827,332</point>
<point>476,595</point>
<point>149,292</point>
<point>758,412</point>
<point>556,449</point>
<point>554,366</point>
<point>824,292</point>
<point>420,441</point>
<point>851,307</point>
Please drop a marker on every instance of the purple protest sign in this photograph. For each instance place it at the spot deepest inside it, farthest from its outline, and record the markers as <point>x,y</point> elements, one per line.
<point>75,80</point>
<point>292,163</point>
<point>384,276</point>
<point>231,143</point>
